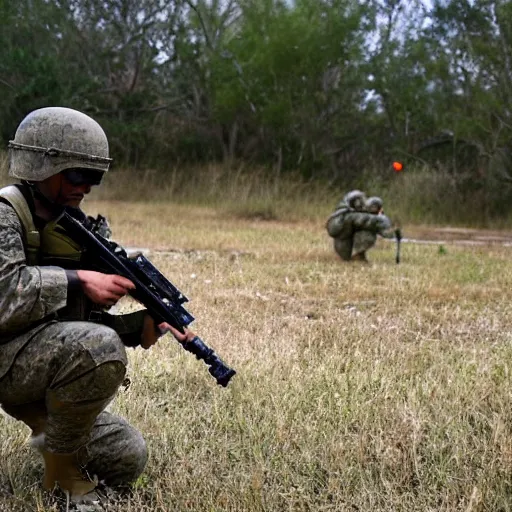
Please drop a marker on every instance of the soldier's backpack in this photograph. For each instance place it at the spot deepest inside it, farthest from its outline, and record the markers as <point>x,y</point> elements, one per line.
<point>335,222</point>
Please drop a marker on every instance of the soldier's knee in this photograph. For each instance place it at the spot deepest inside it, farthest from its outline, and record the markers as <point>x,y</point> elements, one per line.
<point>108,376</point>
<point>95,367</point>
<point>109,340</point>
<point>104,345</point>
<point>130,458</point>
<point>136,455</point>
<point>104,353</point>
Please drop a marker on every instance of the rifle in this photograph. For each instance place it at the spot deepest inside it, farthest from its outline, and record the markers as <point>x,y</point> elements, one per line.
<point>161,298</point>
<point>398,238</point>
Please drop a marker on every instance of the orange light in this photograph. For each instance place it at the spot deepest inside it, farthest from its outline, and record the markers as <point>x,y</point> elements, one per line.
<point>397,166</point>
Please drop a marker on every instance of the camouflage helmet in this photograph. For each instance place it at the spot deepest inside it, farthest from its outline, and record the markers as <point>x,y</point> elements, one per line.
<point>374,204</point>
<point>355,199</point>
<point>52,139</point>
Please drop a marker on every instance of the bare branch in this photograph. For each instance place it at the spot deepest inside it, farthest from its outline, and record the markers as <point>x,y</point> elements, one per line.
<point>7,84</point>
<point>201,21</point>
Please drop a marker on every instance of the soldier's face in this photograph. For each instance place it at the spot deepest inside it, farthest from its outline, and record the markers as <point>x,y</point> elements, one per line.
<point>61,191</point>
<point>358,204</point>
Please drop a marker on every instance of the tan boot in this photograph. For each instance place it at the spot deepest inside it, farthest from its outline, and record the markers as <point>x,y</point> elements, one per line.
<point>63,469</point>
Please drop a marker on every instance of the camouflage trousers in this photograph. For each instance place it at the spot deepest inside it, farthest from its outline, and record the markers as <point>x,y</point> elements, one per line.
<point>60,383</point>
<point>359,243</point>
<point>363,240</point>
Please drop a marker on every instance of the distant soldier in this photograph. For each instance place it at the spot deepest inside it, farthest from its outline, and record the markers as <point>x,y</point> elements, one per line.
<point>374,205</point>
<point>355,200</point>
<point>355,224</point>
<point>365,239</point>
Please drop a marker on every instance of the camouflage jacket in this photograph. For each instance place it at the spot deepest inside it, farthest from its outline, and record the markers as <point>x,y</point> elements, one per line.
<point>345,221</point>
<point>335,222</point>
<point>33,296</point>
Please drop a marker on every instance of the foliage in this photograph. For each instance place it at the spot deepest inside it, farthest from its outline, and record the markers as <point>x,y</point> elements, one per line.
<point>327,87</point>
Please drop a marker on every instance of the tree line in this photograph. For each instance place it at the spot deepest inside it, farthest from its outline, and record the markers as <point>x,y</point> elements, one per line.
<point>327,87</point>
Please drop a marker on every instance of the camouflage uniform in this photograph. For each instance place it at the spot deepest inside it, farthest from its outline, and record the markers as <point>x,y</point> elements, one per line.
<point>366,239</point>
<point>355,231</point>
<point>56,375</point>
<point>58,371</point>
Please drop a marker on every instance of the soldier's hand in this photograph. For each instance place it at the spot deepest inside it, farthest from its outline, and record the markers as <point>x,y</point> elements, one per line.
<point>151,332</point>
<point>104,289</point>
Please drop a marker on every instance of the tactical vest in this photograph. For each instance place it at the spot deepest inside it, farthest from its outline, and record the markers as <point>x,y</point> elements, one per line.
<point>51,245</point>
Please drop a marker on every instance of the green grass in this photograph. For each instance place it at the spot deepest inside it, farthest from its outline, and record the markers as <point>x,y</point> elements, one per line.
<point>383,387</point>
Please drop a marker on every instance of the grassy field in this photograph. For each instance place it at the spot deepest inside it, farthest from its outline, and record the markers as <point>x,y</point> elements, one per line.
<point>377,387</point>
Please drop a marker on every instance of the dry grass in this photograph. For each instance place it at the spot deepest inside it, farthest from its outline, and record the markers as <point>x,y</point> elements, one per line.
<point>244,193</point>
<point>359,388</point>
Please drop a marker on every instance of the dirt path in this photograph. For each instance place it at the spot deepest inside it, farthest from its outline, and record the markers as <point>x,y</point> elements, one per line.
<point>462,236</point>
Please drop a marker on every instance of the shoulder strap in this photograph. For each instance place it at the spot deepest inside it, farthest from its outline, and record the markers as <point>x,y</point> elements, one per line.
<point>13,195</point>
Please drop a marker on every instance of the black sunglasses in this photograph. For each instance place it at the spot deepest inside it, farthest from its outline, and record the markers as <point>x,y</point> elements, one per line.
<point>79,177</point>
